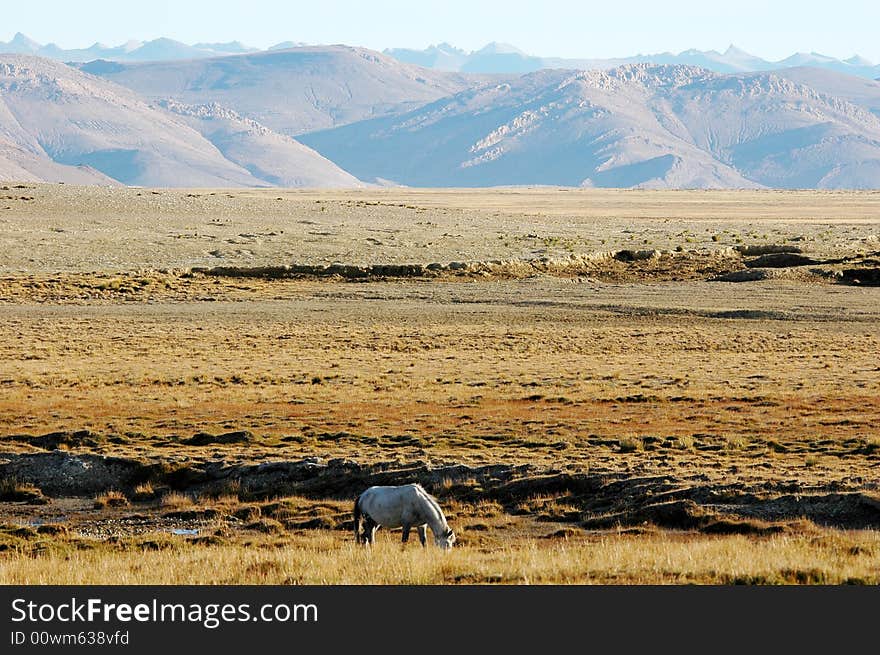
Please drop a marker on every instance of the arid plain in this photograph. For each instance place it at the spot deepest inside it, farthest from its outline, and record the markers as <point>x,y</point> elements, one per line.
<point>598,386</point>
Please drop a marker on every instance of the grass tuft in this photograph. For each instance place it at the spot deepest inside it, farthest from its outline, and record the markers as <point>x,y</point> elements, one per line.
<point>110,498</point>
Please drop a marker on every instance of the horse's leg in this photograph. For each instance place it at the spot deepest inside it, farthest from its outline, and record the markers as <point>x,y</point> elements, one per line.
<point>406,528</point>
<point>423,534</point>
<point>370,527</point>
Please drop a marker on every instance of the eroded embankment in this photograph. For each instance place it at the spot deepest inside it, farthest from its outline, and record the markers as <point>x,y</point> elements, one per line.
<point>741,264</point>
<point>599,499</point>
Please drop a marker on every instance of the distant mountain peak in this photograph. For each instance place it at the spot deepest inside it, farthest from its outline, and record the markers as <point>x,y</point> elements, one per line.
<point>23,44</point>
<point>287,45</point>
<point>497,48</point>
<point>23,39</point>
<point>228,47</point>
<point>858,60</point>
<point>733,51</point>
<point>493,58</point>
<point>164,40</point>
<point>694,51</point>
<point>446,48</point>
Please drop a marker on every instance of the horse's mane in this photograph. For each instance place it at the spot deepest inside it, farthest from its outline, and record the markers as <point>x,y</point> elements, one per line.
<point>432,501</point>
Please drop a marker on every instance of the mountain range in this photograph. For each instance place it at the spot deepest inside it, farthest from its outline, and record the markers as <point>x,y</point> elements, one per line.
<point>505,58</point>
<point>155,50</point>
<point>59,124</point>
<point>340,116</point>
<point>639,125</point>
<point>293,91</point>
<point>493,58</point>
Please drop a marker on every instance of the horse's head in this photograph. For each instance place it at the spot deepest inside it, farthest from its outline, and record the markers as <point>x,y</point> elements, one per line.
<point>445,539</point>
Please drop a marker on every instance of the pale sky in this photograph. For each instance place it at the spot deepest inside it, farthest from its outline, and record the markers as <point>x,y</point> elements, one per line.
<point>768,28</point>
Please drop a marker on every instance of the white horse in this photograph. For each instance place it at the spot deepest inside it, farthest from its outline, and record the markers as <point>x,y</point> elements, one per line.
<point>401,507</point>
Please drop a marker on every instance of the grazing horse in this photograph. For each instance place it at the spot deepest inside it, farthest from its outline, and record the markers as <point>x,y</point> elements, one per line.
<point>401,507</point>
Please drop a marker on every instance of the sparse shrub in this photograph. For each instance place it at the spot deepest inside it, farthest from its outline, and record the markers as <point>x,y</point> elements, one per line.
<point>630,444</point>
<point>144,492</point>
<point>684,442</point>
<point>226,499</point>
<point>175,500</point>
<point>110,498</point>
<point>735,442</point>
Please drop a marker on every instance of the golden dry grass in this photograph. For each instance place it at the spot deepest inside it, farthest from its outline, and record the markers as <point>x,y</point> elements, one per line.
<point>608,559</point>
<point>175,500</point>
<point>110,498</point>
<point>586,378</point>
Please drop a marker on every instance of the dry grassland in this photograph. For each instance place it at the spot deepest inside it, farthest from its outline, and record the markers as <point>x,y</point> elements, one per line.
<point>634,423</point>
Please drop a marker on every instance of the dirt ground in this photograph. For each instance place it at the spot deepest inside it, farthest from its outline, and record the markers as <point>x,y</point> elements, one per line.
<point>238,366</point>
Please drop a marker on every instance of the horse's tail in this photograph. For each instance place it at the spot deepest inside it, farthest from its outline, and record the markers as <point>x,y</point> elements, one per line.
<point>357,520</point>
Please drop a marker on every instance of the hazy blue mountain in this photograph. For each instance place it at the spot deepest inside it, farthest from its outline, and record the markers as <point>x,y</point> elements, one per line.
<point>20,44</point>
<point>231,48</point>
<point>161,50</point>
<point>441,57</point>
<point>494,58</point>
<point>295,90</point>
<point>60,124</point>
<point>502,58</point>
<point>266,154</point>
<point>287,45</point>
<point>157,50</point>
<point>857,90</point>
<point>53,114</point>
<point>639,125</point>
<point>332,116</point>
<point>20,164</point>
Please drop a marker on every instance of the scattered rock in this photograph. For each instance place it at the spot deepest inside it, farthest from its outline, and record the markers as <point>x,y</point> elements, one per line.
<point>754,251</point>
<point>636,255</point>
<point>869,277</point>
<point>747,275</point>
<point>56,440</point>
<point>61,473</point>
<point>206,439</point>
<point>780,260</point>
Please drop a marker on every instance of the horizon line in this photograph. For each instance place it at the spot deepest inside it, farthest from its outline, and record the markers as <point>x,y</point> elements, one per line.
<point>731,46</point>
